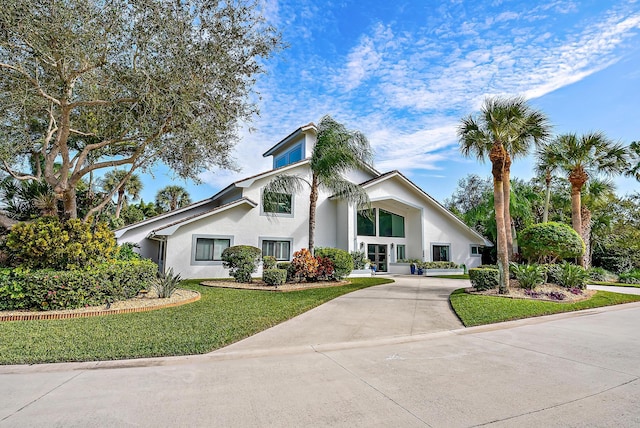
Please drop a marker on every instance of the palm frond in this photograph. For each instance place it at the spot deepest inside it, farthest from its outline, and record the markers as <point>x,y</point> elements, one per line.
<point>287,184</point>
<point>345,189</point>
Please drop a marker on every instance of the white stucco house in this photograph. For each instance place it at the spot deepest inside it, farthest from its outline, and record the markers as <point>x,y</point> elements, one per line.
<point>406,224</point>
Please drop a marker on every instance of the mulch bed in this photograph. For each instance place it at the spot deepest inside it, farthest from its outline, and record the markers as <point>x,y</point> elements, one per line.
<point>545,292</point>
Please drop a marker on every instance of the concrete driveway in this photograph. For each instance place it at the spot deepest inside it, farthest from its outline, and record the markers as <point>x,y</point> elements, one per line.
<point>580,369</point>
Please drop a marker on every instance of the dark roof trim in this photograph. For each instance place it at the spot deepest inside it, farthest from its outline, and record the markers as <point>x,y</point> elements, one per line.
<point>288,138</point>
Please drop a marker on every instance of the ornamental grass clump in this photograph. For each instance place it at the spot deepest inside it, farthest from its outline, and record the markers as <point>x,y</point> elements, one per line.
<point>166,284</point>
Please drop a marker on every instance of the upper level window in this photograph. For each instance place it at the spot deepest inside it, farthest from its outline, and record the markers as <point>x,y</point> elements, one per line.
<point>276,203</point>
<point>367,222</point>
<point>391,224</point>
<point>293,155</point>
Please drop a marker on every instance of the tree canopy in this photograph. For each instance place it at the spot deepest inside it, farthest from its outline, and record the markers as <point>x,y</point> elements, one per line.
<point>92,85</point>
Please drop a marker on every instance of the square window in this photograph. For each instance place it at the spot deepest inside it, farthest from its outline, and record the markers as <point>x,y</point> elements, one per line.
<point>281,250</point>
<point>210,249</point>
<point>441,253</point>
<point>276,203</point>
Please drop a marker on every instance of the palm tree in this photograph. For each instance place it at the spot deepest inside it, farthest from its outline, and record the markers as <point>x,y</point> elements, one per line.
<point>582,158</point>
<point>172,197</point>
<point>503,130</point>
<point>597,197</point>
<point>337,151</point>
<point>634,157</point>
<point>546,165</point>
<point>118,178</point>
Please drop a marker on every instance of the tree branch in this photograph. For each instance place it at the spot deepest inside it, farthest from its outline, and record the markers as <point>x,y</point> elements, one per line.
<point>17,176</point>
<point>33,81</point>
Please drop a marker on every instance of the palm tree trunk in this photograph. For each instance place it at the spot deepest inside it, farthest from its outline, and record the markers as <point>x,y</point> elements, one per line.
<point>585,233</point>
<point>313,199</point>
<point>506,183</point>
<point>119,203</point>
<point>547,200</point>
<point>497,157</point>
<point>576,215</point>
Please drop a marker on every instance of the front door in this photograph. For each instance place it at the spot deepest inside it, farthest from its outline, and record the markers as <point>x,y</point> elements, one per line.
<point>378,256</point>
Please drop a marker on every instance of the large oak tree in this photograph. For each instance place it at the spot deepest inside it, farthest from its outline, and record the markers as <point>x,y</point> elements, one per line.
<point>92,85</point>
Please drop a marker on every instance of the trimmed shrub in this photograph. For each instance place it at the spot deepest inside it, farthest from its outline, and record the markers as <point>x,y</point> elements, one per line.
<point>242,261</point>
<point>274,277</point>
<point>291,273</point>
<point>437,265</point>
<point>342,261</point>
<point>484,279</point>
<point>326,269</point>
<point>48,242</point>
<point>166,284</point>
<point>572,276</point>
<point>304,265</point>
<point>360,260</point>
<point>600,274</point>
<point>549,242</point>
<point>631,277</point>
<point>488,267</point>
<point>529,276</point>
<point>49,289</point>
<point>269,262</point>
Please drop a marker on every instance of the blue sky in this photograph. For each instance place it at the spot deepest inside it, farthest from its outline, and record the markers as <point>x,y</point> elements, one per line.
<point>405,72</point>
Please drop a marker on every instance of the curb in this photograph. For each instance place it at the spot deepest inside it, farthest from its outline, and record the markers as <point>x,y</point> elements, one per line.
<point>100,312</point>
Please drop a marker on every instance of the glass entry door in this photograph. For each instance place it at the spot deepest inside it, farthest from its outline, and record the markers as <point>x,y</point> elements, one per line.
<point>378,256</point>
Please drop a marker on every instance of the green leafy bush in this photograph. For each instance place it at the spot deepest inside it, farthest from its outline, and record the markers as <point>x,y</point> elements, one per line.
<point>549,242</point>
<point>488,267</point>
<point>48,289</point>
<point>437,265</point>
<point>274,277</point>
<point>242,261</point>
<point>360,260</point>
<point>570,276</point>
<point>305,265</point>
<point>291,272</point>
<point>529,276</point>
<point>342,261</point>
<point>166,284</point>
<point>553,272</point>
<point>48,242</point>
<point>269,262</point>
<point>631,277</point>
<point>601,274</point>
<point>125,252</point>
<point>484,279</point>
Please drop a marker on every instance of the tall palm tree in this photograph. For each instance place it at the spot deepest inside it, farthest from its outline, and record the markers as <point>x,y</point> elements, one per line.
<point>546,165</point>
<point>337,151</point>
<point>502,131</point>
<point>172,197</point>
<point>118,178</point>
<point>582,158</point>
<point>634,158</point>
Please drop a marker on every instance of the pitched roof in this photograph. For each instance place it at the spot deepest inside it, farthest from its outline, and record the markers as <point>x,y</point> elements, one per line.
<point>288,138</point>
<point>169,229</point>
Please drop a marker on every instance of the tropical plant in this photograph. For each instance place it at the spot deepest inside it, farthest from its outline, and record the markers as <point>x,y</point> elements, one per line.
<point>360,260</point>
<point>337,151</point>
<point>584,157</point>
<point>634,158</point>
<point>502,131</point>
<point>166,284</point>
<point>549,242</point>
<point>126,83</point>
<point>242,261</point>
<point>546,164</point>
<point>572,276</point>
<point>274,277</point>
<point>172,197</point>
<point>529,276</point>
<point>124,184</point>
<point>341,259</point>
<point>304,265</point>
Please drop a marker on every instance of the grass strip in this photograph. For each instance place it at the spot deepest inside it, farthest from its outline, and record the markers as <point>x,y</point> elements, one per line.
<point>473,309</point>
<point>222,316</point>
<point>460,276</point>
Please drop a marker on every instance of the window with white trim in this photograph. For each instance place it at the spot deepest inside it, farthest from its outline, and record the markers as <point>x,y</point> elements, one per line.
<point>210,249</point>
<point>292,155</point>
<point>441,253</point>
<point>400,252</point>
<point>476,250</point>
<point>281,250</point>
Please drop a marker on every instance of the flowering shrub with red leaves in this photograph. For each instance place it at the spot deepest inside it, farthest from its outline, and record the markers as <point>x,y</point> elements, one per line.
<point>304,265</point>
<point>325,268</point>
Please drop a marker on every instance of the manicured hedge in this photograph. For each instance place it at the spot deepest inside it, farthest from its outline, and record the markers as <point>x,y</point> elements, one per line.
<point>274,276</point>
<point>49,289</point>
<point>438,265</point>
<point>342,261</point>
<point>484,279</point>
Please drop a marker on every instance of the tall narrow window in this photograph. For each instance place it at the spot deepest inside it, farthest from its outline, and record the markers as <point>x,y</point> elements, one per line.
<point>367,222</point>
<point>208,250</point>
<point>441,253</point>
<point>391,224</point>
<point>400,252</point>
<point>276,203</point>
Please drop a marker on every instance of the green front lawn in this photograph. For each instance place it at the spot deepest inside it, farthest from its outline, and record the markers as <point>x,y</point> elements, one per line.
<point>219,318</point>
<point>473,309</point>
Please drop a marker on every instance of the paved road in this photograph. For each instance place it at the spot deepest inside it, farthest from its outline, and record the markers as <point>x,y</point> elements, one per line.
<point>580,369</point>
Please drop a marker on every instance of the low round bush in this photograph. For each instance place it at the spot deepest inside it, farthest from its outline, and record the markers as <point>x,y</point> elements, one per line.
<point>631,277</point>
<point>48,289</point>
<point>269,262</point>
<point>549,242</point>
<point>342,261</point>
<point>291,273</point>
<point>242,261</point>
<point>274,277</point>
<point>360,260</point>
<point>484,279</point>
